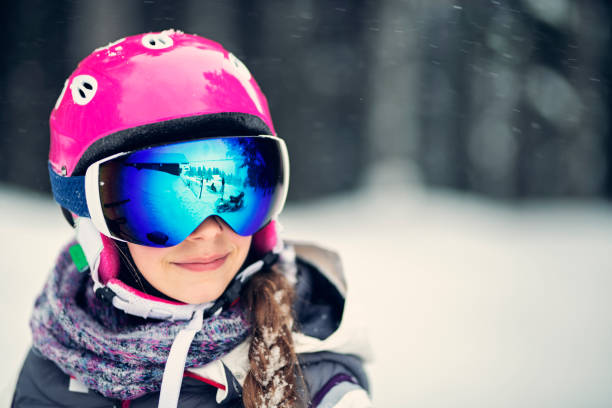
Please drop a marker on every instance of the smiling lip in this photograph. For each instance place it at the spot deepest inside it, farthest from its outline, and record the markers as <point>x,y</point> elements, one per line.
<point>203,264</point>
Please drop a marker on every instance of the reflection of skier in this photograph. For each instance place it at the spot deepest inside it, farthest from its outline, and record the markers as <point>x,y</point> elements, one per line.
<point>214,184</point>
<point>237,199</point>
<point>233,204</point>
<point>222,186</point>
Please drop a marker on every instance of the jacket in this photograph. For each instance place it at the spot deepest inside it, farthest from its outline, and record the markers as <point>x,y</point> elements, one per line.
<point>331,352</point>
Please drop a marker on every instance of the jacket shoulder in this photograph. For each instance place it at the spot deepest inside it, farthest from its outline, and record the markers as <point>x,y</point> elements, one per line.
<point>320,290</point>
<point>331,346</point>
<point>326,368</point>
<point>325,261</point>
<point>42,384</point>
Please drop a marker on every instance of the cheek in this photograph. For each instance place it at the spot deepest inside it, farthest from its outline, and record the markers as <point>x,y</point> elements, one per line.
<point>146,258</point>
<point>243,244</point>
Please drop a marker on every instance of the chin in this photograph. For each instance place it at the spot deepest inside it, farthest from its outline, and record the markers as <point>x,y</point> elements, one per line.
<point>197,298</point>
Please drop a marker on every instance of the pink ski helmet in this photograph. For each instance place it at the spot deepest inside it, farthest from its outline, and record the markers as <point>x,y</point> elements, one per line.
<point>153,88</point>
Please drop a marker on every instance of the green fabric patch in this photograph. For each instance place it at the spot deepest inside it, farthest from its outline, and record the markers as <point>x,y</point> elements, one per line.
<point>78,257</point>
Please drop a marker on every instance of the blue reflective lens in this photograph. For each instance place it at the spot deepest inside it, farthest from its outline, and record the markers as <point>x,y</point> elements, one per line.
<point>160,195</point>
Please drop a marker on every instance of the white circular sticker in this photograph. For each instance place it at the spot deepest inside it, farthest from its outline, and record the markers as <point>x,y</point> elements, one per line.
<point>83,88</point>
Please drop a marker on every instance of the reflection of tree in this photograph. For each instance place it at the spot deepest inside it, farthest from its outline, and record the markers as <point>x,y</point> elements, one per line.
<point>206,173</point>
<point>260,157</point>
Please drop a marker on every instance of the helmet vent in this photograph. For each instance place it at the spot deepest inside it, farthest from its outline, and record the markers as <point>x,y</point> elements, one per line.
<point>83,89</point>
<point>157,41</point>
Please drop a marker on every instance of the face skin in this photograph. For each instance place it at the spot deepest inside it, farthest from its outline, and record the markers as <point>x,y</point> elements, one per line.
<point>198,269</point>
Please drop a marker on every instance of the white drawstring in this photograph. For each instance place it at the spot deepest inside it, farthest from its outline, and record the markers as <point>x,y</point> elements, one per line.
<point>175,365</point>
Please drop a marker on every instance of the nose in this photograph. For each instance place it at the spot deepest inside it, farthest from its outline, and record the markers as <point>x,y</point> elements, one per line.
<point>208,229</point>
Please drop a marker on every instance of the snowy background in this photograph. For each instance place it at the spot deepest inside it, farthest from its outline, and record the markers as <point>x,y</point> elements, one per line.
<point>468,302</point>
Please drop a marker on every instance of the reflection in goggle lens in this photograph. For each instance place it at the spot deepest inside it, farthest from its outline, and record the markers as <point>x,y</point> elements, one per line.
<point>158,196</point>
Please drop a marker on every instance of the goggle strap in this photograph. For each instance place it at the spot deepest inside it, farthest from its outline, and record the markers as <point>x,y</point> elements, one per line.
<point>69,192</point>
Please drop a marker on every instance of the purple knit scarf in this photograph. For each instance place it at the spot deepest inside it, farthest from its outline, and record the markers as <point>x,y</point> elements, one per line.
<point>118,355</point>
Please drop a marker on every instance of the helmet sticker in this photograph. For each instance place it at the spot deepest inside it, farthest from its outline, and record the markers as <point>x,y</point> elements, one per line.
<point>83,89</point>
<point>157,41</point>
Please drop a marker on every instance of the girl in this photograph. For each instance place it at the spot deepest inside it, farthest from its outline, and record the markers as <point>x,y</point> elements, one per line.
<point>178,290</point>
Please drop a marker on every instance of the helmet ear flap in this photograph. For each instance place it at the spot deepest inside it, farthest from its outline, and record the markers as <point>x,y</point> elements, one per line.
<point>265,239</point>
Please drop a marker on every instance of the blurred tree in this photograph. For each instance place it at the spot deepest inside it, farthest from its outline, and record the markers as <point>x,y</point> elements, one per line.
<point>606,91</point>
<point>451,49</point>
<point>34,61</point>
<point>511,97</point>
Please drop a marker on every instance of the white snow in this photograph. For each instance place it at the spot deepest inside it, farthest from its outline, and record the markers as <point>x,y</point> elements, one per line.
<point>274,396</point>
<point>284,307</point>
<point>276,361</point>
<point>278,296</point>
<point>470,302</point>
<point>269,336</point>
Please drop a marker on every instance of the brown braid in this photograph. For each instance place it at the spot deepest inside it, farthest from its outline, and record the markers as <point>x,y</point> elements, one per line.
<point>272,378</point>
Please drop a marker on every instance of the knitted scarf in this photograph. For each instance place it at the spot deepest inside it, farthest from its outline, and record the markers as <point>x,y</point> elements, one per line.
<point>118,355</point>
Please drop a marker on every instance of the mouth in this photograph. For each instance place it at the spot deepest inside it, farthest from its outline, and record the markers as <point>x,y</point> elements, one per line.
<point>203,264</point>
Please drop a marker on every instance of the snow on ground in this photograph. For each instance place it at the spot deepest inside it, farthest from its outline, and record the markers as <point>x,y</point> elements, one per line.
<point>468,302</point>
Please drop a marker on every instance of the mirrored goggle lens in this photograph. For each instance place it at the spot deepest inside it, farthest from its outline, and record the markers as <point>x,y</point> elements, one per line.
<point>158,196</point>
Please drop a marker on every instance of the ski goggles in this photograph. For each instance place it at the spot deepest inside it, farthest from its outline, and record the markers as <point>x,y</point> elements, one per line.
<point>159,195</point>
